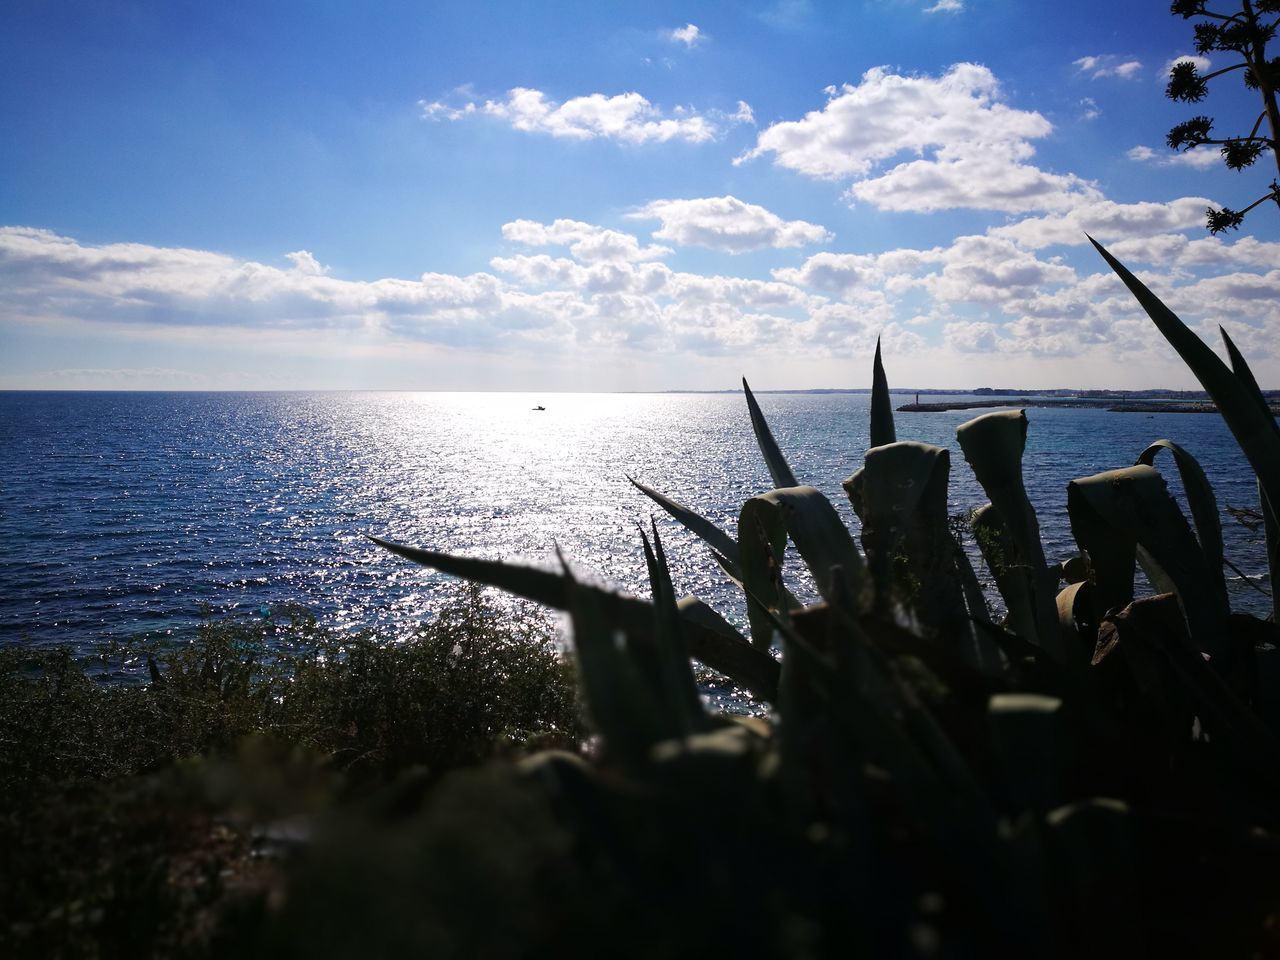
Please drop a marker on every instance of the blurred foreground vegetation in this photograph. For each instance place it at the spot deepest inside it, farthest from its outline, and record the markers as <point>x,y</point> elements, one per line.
<point>134,817</point>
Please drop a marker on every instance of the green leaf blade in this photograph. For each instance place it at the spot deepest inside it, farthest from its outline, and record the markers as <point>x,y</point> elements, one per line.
<point>773,458</point>
<point>695,523</point>
<point>882,428</point>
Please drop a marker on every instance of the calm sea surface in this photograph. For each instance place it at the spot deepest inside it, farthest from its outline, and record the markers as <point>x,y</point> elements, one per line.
<point>126,514</point>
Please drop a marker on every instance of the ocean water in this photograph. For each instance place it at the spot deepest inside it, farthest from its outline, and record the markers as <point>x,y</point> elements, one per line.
<point>137,514</point>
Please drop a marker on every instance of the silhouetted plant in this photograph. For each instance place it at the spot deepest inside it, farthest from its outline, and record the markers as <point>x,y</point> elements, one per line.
<point>1098,774</point>
<point>1243,34</point>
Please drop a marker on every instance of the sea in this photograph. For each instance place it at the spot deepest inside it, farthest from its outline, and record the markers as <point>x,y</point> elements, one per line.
<point>141,515</point>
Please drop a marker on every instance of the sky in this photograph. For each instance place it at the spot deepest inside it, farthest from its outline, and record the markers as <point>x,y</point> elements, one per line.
<point>557,196</point>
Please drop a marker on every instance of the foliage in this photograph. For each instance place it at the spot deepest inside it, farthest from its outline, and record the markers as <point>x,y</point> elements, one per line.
<point>129,813</point>
<point>1243,35</point>
<point>1099,774</point>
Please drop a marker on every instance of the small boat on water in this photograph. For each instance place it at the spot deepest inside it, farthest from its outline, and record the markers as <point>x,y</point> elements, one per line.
<point>539,407</point>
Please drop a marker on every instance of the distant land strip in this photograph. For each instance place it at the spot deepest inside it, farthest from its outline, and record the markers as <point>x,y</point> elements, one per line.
<point>1143,406</point>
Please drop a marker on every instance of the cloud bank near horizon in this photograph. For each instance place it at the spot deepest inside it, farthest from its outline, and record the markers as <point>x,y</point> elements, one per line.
<point>1025,289</point>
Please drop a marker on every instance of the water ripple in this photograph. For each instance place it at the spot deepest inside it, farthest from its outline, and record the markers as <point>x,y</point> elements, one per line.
<point>125,514</point>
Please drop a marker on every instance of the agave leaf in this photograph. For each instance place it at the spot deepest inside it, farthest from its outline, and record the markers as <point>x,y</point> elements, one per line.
<point>1252,425</point>
<point>762,543</point>
<point>1027,735</point>
<point>895,480</point>
<point>1270,523</point>
<point>904,493</point>
<point>993,444</point>
<point>1078,616</point>
<point>1271,530</point>
<point>882,431</point>
<point>711,638</point>
<point>1012,580</point>
<point>1240,367</point>
<point>1094,842</point>
<point>819,535</point>
<point>1203,504</point>
<point>1135,504</point>
<point>622,706</point>
<point>853,490</point>
<point>979,649</point>
<point>882,719</point>
<point>812,757</point>
<point>1112,554</point>
<point>717,539</point>
<point>680,690</point>
<point>773,458</point>
<point>715,642</point>
<point>1144,625</point>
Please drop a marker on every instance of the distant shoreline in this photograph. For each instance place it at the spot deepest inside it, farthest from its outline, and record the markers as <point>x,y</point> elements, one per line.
<point>1131,406</point>
<point>991,396</point>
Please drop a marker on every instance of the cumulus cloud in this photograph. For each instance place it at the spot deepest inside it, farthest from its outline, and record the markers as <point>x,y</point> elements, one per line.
<point>305,262</point>
<point>625,117</point>
<point>1170,250</point>
<point>50,276</point>
<point>972,336</point>
<point>585,241</point>
<point>1106,221</point>
<point>1108,65</point>
<point>992,270</point>
<point>844,274</point>
<point>439,110</point>
<point>1200,159</point>
<point>1000,293</point>
<point>997,293</point>
<point>972,149</point>
<point>729,224</point>
<point>541,303</point>
<point>1202,64</point>
<point>689,35</point>
<point>946,6</point>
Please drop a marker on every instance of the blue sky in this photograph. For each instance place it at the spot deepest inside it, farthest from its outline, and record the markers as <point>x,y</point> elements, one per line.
<point>588,196</point>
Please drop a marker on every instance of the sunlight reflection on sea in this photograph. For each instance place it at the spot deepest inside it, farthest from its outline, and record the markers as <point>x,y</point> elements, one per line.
<point>125,514</point>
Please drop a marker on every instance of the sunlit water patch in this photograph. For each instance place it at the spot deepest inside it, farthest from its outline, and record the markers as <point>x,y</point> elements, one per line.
<point>125,514</point>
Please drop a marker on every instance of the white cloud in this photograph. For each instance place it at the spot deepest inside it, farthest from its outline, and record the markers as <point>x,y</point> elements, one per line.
<point>991,270</point>
<point>968,176</point>
<point>544,303</point>
<point>585,241</point>
<point>1106,221</point>
<point>727,223</point>
<point>994,295</point>
<point>626,117</point>
<point>846,273</point>
<point>438,110</point>
<point>946,6</point>
<point>46,277</point>
<point>1089,109</point>
<point>1200,159</point>
<point>1108,65</point>
<point>1169,250</point>
<point>972,150</point>
<point>304,262</point>
<point>689,35</point>
<point>1202,64</point>
<point>972,337</point>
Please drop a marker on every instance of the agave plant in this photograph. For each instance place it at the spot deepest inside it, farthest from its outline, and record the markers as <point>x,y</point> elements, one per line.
<point>1090,741</point>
